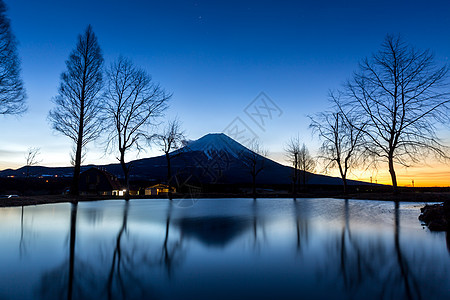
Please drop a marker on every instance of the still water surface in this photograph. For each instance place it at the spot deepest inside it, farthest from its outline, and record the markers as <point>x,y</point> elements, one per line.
<point>221,249</point>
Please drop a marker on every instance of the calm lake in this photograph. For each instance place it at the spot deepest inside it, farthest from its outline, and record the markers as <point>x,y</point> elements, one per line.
<point>221,249</point>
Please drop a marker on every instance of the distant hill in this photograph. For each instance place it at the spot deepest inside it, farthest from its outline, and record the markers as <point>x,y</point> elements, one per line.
<point>214,158</point>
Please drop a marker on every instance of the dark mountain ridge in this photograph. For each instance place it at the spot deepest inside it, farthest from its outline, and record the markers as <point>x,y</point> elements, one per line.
<point>213,159</point>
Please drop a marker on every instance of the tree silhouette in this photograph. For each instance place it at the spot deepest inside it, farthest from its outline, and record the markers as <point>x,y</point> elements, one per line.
<point>292,150</point>
<point>253,161</point>
<point>341,139</point>
<point>133,102</point>
<point>169,140</point>
<point>401,93</point>
<point>31,158</point>
<point>78,102</point>
<point>12,92</point>
<point>306,164</point>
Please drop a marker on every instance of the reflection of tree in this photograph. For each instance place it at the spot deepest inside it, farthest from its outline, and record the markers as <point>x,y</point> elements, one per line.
<point>27,233</point>
<point>78,279</point>
<point>258,225</point>
<point>372,265</point>
<point>355,260</point>
<point>92,215</point>
<point>73,231</point>
<point>130,261</point>
<point>170,251</point>
<point>407,277</point>
<point>345,234</point>
<point>22,246</point>
<point>117,261</point>
<point>123,273</point>
<point>301,225</point>
<point>69,280</point>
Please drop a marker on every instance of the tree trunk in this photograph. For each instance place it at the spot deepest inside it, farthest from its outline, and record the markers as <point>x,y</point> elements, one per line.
<point>74,190</point>
<point>126,172</point>
<point>76,173</point>
<point>343,175</point>
<point>295,175</point>
<point>392,172</point>
<point>169,176</point>
<point>344,181</point>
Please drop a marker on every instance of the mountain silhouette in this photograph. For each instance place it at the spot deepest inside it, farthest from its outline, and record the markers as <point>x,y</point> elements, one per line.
<point>214,158</point>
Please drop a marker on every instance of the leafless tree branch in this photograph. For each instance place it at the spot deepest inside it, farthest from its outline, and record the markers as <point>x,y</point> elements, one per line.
<point>133,103</point>
<point>12,91</point>
<point>253,159</point>
<point>78,103</point>
<point>342,139</point>
<point>170,139</point>
<point>402,95</point>
<point>298,155</point>
<point>31,158</point>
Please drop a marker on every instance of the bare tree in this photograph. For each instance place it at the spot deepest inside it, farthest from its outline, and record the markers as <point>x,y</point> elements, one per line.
<point>254,160</point>
<point>306,164</point>
<point>12,92</point>
<point>292,150</point>
<point>133,103</point>
<point>401,92</point>
<point>78,102</point>
<point>170,139</point>
<point>32,158</point>
<point>341,140</point>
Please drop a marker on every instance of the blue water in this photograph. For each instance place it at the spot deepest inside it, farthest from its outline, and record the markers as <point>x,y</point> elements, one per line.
<point>221,249</point>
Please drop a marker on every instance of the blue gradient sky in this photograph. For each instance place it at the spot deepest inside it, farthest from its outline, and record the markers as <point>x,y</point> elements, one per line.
<point>215,56</point>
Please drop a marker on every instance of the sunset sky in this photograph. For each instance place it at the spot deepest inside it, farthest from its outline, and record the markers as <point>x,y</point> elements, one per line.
<point>216,57</point>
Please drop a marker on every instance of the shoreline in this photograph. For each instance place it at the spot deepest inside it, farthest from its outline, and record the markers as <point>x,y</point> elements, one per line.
<point>402,197</point>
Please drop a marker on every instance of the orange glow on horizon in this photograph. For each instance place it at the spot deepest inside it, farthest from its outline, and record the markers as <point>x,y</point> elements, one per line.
<point>432,175</point>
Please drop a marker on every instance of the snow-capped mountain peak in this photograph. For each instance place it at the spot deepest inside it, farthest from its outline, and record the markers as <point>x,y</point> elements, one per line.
<point>214,143</point>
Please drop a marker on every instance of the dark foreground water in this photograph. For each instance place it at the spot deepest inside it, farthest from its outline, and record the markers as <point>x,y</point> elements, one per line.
<point>221,249</point>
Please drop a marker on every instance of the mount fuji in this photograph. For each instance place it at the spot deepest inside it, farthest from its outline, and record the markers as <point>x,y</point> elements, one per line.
<point>214,143</point>
<point>214,158</point>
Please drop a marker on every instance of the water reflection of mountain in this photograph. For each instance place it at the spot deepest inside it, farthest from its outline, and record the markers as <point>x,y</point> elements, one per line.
<point>214,231</point>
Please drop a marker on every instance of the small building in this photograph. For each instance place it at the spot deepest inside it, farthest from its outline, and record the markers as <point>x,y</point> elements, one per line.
<point>159,189</point>
<point>95,181</point>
